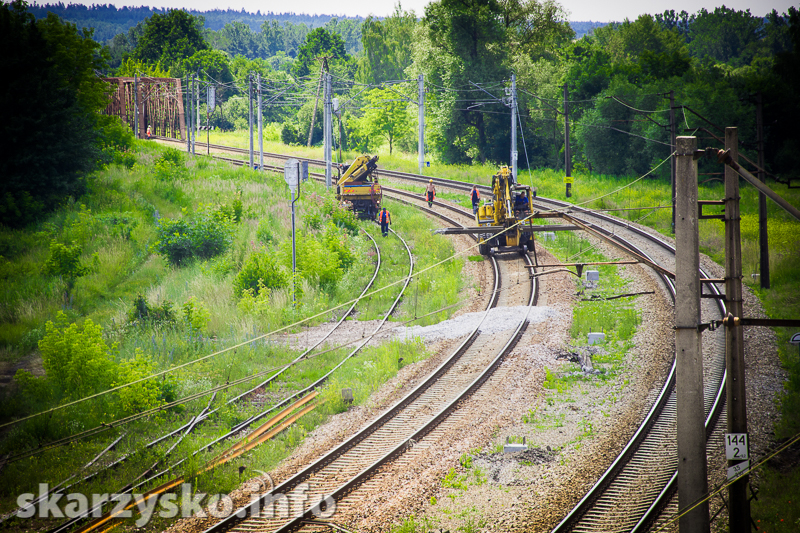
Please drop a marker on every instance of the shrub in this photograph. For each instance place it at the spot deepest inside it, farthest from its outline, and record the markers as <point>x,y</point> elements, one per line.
<point>340,216</point>
<point>195,315</point>
<point>65,262</point>
<point>260,271</point>
<point>255,302</point>
<point>140,396</point>
<point>142,313</point>
<point>170,165</point>
<point>76,360</point>
<point>264,231</point>
<point>290,135</point>
<point>121,224</point>
<point>201,236</point>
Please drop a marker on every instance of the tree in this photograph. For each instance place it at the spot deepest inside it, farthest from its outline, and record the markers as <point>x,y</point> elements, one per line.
<point>387,115</point>
<point>237,38</point>
<point>49,104</point>
<point>388,46</point>
<point>725,34</point>
<point>170,38</point>
<point>320,42</point>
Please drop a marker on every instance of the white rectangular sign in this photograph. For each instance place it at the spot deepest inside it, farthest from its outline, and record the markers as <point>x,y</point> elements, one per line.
<point>739,469</point>
<point>290,173</point>
<point>736,448</point>
<point>212,98</point>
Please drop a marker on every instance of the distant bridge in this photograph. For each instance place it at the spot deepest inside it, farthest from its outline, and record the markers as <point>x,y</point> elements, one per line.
<point>159,102</point>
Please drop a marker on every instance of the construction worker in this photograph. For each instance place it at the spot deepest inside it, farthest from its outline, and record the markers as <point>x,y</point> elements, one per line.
<point>149,132</point>
<point>385,219</point>
<point>475,195</point>
<point>430,193</point>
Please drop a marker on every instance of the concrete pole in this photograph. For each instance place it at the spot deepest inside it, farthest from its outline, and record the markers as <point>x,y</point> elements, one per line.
<point>197,110</point>
<point>738,504</point>
<point>673,133</point>
<point>421,142</point>
<point>514,127</point>
<point>692,467</point>
<point>567,153</point>
<point>136,106</point>
<point>260,126</point>
<point>250,117</point>
<point>328,134</point>
<point>188,115</point>
<point>195,85</point>
<point>763,240</point>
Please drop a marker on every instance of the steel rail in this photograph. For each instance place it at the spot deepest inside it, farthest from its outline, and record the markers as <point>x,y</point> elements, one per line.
<point>718,395</point>
<point>253,508</point>
<point>195,422</point>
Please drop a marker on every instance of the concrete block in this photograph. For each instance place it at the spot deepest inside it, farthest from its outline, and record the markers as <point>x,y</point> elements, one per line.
<point>595,338</point>
<point>592,275</point>
<point>511,448</point>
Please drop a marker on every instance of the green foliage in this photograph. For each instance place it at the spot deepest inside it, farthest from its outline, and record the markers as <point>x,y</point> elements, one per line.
<point>76,359</point>
<point>140,396</point>
<point>50,103</point>
<point>196,315</point>
<point>388,45</point>
<point>320,42</point>
<point>131,67</point>
<point>170,38</point>
<point>387,117</point>
<point>201,236</point>
<point>143,313</point>
<point>260,271</point>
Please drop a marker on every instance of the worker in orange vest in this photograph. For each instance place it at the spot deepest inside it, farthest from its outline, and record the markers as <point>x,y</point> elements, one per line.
<point>430,193</point>
<point>149,132</point>
<point>475,195</point>
<point>385,219</point>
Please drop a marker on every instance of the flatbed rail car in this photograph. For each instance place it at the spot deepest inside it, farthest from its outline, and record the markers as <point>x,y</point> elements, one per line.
<point>358,187</point>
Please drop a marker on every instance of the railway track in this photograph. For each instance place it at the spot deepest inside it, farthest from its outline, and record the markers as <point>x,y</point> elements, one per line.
<point>289,404</point>
<point>640,481</point>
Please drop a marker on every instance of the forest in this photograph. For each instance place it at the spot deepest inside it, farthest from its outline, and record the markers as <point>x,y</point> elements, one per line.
<point>619,77</point>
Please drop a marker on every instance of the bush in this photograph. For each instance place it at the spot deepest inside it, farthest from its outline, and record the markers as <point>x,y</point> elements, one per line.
<point>141,396</point>
<point>290,135</point>
<point>201,236</point>
<point>76,360</point>
<point>260,271</point>
<point>170,165</point>
<point>142,313</point>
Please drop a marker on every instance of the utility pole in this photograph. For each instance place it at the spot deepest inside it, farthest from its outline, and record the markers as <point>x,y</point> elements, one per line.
<point>328,134</point>
<point>323,69</point>
<point>260,125</point>
<point>188,116</point>
<point>135,106</point>
<point>738,504</point>
<point>250,116</point>
<point>514,127</point>
<point>762,198</point>
<point>197,107</point>
<point>421,121</point>
<point>567,152</point>
<point>673,135</point>
<point>692,467</point>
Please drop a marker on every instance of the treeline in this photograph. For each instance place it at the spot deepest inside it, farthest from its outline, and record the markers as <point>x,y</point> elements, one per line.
<point>619,79</point>
<point>108,20</point>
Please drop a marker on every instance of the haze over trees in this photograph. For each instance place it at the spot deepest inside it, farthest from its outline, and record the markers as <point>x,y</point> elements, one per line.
<point>618,78</point>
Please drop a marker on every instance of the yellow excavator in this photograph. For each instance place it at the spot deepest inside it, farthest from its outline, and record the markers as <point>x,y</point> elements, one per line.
<point>358,186</point>
<point>501,217</point>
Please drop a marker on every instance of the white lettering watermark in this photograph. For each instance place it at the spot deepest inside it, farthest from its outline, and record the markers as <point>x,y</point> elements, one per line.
<point>184,503</point>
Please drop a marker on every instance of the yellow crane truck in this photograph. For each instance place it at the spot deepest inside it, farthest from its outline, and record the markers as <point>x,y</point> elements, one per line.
<point>358,187</point>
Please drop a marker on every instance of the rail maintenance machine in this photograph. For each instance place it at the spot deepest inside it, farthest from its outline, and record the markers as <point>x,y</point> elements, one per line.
<point>505,223</point>
<point>358,187</point>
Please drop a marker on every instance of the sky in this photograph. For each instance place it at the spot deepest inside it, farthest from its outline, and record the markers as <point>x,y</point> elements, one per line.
<point>579,10</point>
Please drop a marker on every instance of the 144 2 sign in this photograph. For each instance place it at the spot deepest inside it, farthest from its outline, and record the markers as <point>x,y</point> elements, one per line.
<point>736,446</point>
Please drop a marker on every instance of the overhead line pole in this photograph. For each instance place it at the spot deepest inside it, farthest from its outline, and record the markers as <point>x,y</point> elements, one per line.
<point>567,151</point>
<point>692,465</point>
<point>197,111</point>
<point>763,238</point>
<point>673,135</point>
<point>250,116</point>
<point>188,115</point>
<point>328,134</point>
<point>738,504</point>
<point>514,151</point>
<point>260,126</point>
<point>421,141</point>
